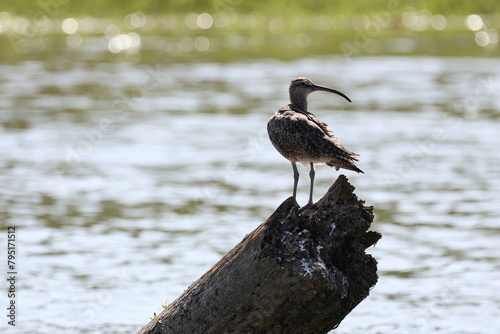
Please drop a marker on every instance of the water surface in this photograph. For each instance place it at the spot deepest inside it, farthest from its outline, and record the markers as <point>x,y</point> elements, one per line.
<point>127,182</point>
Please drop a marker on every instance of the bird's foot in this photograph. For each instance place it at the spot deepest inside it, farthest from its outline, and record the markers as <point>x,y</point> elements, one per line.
<point>308,206</point>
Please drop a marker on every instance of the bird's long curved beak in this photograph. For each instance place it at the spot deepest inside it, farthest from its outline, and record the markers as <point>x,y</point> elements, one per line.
<point>326,89</point>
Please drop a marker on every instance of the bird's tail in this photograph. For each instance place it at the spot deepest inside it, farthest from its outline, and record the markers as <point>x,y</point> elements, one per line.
<point>346,164</point>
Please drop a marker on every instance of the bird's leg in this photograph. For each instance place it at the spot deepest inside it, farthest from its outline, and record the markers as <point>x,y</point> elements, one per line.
<point>312,173</point>
<point>295,179</point>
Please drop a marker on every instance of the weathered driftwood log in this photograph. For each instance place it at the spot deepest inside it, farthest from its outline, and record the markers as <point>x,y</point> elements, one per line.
<point>301,271</point>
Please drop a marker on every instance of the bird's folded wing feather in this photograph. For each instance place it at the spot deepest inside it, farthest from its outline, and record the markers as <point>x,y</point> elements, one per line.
<point>314,137</point>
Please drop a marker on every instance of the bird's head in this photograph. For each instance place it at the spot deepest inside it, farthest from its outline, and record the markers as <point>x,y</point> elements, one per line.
<point>301,87</point>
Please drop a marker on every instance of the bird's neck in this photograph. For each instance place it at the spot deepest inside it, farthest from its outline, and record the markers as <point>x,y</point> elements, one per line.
<point>299,105</point>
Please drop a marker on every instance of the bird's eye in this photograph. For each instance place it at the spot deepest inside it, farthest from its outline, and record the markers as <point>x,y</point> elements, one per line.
<point>302,84</point>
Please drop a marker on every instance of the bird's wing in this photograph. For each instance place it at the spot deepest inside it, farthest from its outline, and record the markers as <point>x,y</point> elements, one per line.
<point>301,137</point>
<point>318,139</point>
<point>323,126</point>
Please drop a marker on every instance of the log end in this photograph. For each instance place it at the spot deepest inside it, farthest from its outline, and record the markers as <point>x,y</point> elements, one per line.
<point>323,247</point>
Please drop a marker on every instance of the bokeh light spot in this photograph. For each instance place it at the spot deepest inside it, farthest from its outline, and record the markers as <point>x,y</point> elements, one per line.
<point>111,31</point>
<point>74,40</point>
<point>493,35</point>
<point>70,26</point>
<point>474,22</point>
<point>482,38</point>
<point>438,22</point>
<point>204,21</point>
<point>135,40</point>
<point>119,43</point>
<point>201,43</point>
<point>19,25</point>
<point>191,21</point>
<point>135,20</point>
<point>221,20</point>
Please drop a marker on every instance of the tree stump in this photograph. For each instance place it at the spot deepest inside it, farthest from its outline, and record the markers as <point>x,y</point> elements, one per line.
<point>301,271</point>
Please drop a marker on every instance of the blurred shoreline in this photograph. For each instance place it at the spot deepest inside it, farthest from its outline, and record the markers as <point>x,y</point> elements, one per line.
<point>230,36</point>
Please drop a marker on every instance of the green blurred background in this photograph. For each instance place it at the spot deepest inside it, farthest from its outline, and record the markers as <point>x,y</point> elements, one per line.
<point>224,30</point>
<point>279,8</point>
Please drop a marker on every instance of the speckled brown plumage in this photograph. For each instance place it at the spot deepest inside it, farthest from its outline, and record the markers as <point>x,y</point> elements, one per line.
<point>300,137</point>
<point>303,138</point>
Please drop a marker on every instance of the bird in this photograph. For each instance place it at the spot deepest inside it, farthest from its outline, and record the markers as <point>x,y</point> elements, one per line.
<point>300,137</point>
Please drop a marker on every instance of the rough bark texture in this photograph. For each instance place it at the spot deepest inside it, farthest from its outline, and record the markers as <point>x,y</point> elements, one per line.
<point>301,271</point>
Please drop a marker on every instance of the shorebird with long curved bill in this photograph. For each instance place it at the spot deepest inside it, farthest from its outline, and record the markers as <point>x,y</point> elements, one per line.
<point>300,137</point>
